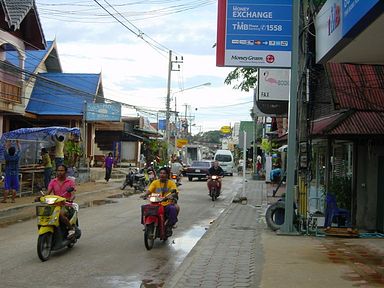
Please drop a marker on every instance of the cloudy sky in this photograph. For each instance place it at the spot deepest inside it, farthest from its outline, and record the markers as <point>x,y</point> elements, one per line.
<point>131,51</point>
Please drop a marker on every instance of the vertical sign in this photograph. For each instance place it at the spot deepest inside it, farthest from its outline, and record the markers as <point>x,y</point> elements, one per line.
<point>254,33</point>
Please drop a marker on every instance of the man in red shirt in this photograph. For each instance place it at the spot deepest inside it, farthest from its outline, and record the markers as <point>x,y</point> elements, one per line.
<point>64,187</point>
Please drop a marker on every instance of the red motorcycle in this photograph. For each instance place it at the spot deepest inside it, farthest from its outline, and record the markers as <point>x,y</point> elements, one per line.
<point>214,187</point>
<point>153,219</point>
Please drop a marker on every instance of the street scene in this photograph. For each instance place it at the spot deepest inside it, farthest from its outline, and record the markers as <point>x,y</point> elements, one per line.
<point>204,143</point>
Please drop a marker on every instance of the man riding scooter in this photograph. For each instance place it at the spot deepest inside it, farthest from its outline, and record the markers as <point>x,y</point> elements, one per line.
<point>166,188</point>
<point>64,187</point>
<point>217,171</point>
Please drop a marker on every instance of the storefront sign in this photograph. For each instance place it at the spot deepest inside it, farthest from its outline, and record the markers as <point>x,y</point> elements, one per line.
<point>338,22</point>
<point>354,10</point>
<point>274,84</point>
<point>103,112</point>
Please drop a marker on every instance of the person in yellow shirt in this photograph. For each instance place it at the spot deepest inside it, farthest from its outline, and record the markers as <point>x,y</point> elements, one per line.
<point>166,188</point>
<point>59,150</point>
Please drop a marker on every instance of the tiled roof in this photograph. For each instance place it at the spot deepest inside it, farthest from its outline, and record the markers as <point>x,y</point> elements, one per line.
<point>320,126</point>
<point>358,93</point>
<point>63,93</point>
<point>16,11</point>
<point>359,87</point>
<point>361,123</point>
<point>352,123</point>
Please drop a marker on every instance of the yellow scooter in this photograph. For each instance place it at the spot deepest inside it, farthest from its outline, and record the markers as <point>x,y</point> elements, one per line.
<point>53,234</point>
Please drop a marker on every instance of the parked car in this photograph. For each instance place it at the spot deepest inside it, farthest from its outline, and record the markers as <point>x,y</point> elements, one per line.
<point>198,169</point>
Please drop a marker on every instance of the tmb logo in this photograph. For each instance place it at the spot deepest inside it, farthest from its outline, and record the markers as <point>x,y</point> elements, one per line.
<point>334,19</point>
<point>270,58</point>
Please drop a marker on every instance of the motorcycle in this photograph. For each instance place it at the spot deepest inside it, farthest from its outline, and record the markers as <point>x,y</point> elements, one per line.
<point>176,178</point>
<point>52,233</point>
<point>153,219</point>
<point>136,180</point>
<point>214,187</point>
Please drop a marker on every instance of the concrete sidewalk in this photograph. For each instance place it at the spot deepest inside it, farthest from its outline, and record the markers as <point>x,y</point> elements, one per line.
<point>240,251</point>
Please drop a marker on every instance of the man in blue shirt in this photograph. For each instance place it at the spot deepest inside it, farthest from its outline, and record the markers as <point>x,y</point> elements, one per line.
<point>11,181</point>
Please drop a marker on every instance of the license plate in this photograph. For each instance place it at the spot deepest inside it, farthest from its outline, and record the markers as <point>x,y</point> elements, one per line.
<point>197,170</point>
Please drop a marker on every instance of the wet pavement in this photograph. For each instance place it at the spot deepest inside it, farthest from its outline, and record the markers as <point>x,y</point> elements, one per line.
<point>240,251</point>
<point>365,263</point>
<point>237,250</point>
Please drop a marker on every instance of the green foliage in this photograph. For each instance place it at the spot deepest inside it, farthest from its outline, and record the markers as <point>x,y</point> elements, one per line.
<point>266,146</point>
<point>341,188</point>
<point>72,152</point>
<point>208,137</point>
<point>246,76</point>
<point>155,149</point>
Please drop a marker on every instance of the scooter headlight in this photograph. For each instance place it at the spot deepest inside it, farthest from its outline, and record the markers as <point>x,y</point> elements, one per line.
<point>155,198</point>
<point>50,200</point>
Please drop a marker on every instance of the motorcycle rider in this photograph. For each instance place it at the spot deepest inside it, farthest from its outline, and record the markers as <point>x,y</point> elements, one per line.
<point>215,170</point>
<point>60,186</point>
<point>167,189</point>
<point>177,169</point>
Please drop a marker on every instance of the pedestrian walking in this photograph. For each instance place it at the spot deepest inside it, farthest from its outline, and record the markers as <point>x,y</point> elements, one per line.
<point>108,163</point>
<point>46,161</point>
<point>11,181</point>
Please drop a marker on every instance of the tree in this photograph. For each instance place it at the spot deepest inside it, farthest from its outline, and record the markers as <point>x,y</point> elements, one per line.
<point>246,76</point>
<point>208,137</point>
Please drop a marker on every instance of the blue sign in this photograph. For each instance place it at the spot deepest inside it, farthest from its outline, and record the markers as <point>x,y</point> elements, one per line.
<point>254,33</point>
<point>103,112</point>
<point>354,10</point>
<point>162,124</point>
<point>259,25</point>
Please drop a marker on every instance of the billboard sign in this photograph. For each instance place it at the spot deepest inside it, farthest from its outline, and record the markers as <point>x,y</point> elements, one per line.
<point>274,84</point>
<point>254,33</point>
<point>103,112</point>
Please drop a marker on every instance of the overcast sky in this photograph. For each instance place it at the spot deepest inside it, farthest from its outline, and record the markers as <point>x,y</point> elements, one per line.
<point>135,69</point>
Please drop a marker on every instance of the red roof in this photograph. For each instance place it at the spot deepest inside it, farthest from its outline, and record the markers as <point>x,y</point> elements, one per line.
<point>358,92</point>
<point>356,86</point>
<point>320,126</point>
<point>360,123</point>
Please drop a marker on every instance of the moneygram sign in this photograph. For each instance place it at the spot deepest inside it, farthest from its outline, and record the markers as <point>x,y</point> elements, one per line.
<point>254,33</point>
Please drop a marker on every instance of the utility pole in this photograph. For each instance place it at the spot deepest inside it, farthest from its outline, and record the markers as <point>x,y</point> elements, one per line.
<point>85,140</point>
<point>288,228</point>
<point>176,129</point>
<point>168,101</point>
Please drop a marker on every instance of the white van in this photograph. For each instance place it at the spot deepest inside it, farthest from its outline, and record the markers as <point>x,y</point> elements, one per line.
<point>225,159</point>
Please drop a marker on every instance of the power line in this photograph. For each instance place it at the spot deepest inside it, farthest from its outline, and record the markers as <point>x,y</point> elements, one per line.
<point>157,49</point>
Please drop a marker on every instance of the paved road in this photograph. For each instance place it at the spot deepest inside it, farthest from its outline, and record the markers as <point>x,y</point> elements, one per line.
<point>111,252</point>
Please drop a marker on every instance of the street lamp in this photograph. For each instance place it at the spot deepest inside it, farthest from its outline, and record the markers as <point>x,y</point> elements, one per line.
<point>168,113</point>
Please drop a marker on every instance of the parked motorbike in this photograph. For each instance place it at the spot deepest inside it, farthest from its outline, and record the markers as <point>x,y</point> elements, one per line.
<point>214,187</point>
<point>52,233</point>
<point>153,219</point>
<point>135,179</point>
